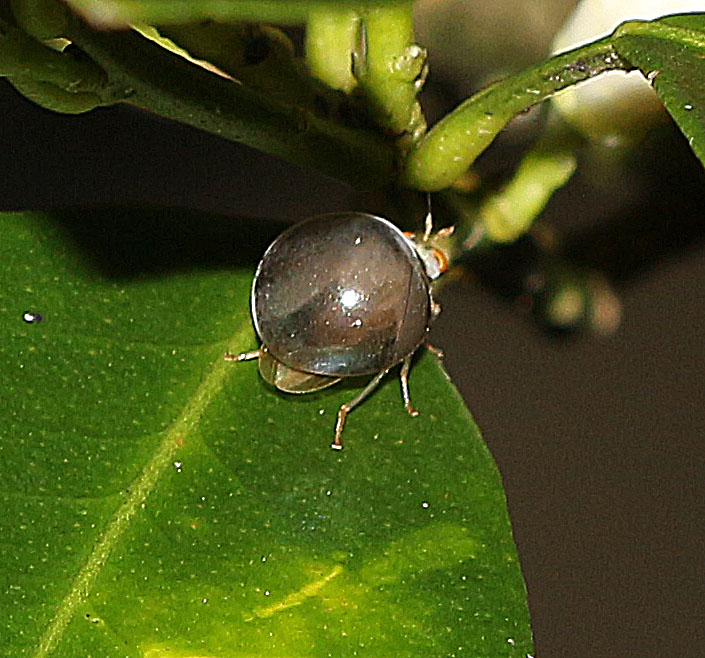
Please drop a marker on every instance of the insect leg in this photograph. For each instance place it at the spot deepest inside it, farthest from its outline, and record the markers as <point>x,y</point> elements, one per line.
<point>428,228</point>
<point>243,356</point>
<point>436,351</point>
<point>345,409</point>
<point>435,308</point>
<point>404,378</point>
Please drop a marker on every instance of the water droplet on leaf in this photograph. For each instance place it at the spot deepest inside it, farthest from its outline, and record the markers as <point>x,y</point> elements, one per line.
<point>32,318</point>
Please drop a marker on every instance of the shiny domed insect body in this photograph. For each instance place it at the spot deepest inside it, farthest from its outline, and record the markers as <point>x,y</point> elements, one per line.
<point>343,295</point>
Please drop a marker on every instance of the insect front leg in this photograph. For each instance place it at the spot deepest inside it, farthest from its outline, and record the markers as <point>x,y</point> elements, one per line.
<point>243,356</point>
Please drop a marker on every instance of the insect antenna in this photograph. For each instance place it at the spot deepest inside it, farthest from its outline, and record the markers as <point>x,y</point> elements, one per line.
<point>429,219</point>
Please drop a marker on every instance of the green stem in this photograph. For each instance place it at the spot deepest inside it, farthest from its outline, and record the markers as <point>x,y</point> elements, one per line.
<point>548,166</point>
<point>455,142</point>
<point>391,68</point>
<point>332,37</point>
<point>144,74</point>
<point>121,13</point>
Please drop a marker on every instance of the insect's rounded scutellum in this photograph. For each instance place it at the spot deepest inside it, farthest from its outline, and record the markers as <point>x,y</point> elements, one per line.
<point>341,295</point>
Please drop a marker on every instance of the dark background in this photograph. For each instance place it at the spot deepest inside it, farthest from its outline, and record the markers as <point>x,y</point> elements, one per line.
<point>599,441</point>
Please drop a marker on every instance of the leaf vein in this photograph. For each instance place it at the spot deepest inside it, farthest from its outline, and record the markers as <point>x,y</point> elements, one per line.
<point>183,425</point>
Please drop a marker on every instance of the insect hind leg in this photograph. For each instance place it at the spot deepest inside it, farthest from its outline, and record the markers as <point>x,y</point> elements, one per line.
<point>345,409</point>
<point>404,379</point>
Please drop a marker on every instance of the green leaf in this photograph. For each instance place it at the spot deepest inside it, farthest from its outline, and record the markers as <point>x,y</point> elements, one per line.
<point>161,502</point>
<point>671,53</point>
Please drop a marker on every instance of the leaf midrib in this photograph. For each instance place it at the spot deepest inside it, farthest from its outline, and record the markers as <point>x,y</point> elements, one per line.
<point>182,426</point>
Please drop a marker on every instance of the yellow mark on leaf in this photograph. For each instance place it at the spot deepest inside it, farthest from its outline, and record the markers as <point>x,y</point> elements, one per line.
<point>159,652</point>
<point>439,546</point>
<point>297,598</point>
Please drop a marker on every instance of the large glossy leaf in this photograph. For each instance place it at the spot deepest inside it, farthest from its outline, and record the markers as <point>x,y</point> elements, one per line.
<point>158,501</point>
<point>671,53</point>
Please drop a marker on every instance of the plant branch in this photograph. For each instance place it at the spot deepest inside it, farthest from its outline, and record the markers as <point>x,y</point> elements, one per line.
<point>144,74</point>
<point>545,168</point>
<point>393,68</point>
<point>122,13</point>
<point>455,142</point>
<point>332,37</point>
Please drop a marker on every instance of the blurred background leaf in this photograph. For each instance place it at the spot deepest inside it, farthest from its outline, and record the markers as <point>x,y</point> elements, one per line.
<point>120,13</point>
